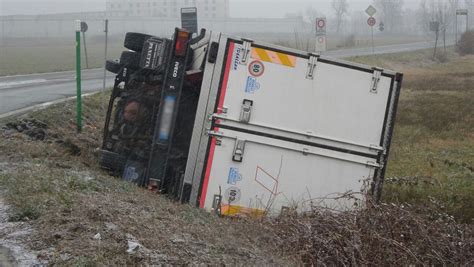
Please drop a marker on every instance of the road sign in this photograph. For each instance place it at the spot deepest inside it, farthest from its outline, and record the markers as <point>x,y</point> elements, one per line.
<point>461,12</point>
<point>189,19</point>
<point>320,26</point>
<point>320,43</point>
<point>434,26</point>
<point>84,26</point>
<point>371,10</point>
<point>371,21</point>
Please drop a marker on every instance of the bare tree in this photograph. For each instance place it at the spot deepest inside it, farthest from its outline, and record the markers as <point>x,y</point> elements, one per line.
<point>391,13</point>
<point>340,8</point>
<point>440,12</point>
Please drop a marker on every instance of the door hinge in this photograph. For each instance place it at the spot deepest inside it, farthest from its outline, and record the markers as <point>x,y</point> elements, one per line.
<point>216,204</point>
<point>239,148</point>
<point>312,64</point>
<point>375,80</point>
<point>246,110</point>
<point>247,46</point>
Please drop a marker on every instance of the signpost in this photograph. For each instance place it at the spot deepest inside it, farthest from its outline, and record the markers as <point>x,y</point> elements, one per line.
<point>371,22</point>
<point>106,31</point>
<point>461,12</point>
<point>321,40</point>
<point>320,26</point>
<point>78,77</point>
<point>371,11</point>
<point>434,26</point>
<point>189,19</point>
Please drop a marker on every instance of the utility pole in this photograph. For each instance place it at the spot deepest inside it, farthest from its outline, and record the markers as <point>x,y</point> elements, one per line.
<point>78,77</point>
<point>106,30</point>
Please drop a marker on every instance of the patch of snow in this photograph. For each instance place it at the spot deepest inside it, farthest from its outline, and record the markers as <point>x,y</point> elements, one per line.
<point>11,235</point>
<point>97,236</point>
<point>132,246</point>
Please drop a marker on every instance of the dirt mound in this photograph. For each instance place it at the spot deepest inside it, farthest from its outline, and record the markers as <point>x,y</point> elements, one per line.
<point>35,129</point>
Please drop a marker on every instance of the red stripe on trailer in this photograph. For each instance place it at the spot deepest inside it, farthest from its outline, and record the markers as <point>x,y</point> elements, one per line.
<point>208,172</point>
<point>230,54</point>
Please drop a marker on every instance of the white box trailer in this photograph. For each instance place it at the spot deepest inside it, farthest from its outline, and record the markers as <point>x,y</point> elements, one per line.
<point>268,129</point>
<point>279,129</point>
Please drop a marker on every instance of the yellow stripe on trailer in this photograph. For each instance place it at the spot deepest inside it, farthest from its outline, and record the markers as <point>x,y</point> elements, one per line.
<point>239,211</point>
<point>273,57</point>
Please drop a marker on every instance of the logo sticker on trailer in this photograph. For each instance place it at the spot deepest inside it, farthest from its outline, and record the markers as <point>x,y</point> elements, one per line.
<point>256,68</point>
<point>232,194</point>
<point>252,85</point>
<point>236,58</point>
<point>234,176</point>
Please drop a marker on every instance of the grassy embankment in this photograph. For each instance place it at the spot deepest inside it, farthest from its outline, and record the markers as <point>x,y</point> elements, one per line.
<point>68,199</point>
<point>432,156</point>
<point>57,186</point>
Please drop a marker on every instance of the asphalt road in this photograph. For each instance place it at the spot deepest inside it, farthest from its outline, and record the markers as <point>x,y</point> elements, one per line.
<point>23,91</point>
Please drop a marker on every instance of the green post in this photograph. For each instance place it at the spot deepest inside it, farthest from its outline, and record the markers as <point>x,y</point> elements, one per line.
<point>78,77</point>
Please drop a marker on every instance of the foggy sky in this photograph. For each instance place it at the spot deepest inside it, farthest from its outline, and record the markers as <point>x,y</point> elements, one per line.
<point>238,8</point>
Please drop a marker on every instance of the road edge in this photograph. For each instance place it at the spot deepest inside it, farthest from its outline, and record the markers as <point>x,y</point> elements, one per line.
<point>41,106</point>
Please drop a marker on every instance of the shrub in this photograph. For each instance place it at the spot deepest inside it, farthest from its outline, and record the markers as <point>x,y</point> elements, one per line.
<point>348,41</point>
<point>386,235</point>
<point>466,44</point>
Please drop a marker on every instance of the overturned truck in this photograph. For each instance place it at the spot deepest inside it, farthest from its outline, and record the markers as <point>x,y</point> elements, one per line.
<point>240,127</point>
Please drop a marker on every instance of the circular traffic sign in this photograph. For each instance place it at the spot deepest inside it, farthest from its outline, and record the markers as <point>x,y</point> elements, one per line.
<point>371,21</point>
<point>321,39</point>
<point>84,26</point>
<point>256,68</point>
<point>321,23</point>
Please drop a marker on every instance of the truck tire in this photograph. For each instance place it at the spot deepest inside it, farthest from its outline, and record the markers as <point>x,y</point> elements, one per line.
<point>134,41</point>
<point>113,66</point>
<point>130,59</point>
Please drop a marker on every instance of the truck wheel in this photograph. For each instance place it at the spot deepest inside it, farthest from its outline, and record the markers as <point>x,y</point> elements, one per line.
<point>113,66</point>
<point>130,59</point>
<point>134,41</point>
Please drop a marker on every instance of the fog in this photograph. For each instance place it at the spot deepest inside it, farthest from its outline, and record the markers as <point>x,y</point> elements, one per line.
<point>271,20</point>
<point>238,8</point>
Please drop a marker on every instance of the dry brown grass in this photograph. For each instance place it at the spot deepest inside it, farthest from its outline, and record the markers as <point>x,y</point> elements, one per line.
<point>386,235</point>
<point>434,134</point>
<point>68,199</point>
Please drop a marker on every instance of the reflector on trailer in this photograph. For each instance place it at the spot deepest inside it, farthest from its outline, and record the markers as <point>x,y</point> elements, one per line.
<point>181,43</point>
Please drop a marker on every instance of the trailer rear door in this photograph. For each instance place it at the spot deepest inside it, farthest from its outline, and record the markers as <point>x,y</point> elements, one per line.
<point>286,129</point>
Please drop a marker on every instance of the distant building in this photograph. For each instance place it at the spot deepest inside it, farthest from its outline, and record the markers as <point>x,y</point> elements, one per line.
<point>167,9</point>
